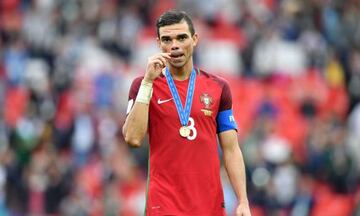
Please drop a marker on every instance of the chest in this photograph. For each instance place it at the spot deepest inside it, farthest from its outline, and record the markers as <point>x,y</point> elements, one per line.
<point>205,102</point>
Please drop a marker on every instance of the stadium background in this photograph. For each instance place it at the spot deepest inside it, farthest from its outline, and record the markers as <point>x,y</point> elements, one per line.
<point>65,71</point>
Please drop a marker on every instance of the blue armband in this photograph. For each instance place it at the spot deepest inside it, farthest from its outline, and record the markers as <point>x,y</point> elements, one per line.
<point>225,121</point>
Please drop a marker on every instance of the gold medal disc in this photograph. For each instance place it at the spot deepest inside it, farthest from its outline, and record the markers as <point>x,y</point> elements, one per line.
<point>184,131</point>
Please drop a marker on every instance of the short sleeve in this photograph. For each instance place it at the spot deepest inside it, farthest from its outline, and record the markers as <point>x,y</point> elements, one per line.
<point>225,118</point>
<point>134,89</point>
<point>226,98</point>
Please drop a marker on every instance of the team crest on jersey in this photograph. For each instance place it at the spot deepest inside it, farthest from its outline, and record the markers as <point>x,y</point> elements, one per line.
<point>207,100</point>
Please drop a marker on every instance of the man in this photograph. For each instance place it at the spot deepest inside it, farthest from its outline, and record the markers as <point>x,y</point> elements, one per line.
<point>183,109</point>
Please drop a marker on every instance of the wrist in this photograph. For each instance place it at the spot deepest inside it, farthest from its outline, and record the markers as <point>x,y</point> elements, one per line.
<point>147,80</point>
<point>145,92</point>
<point>244,201</point>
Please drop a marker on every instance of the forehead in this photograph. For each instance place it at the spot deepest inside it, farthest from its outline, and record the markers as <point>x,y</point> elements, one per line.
<point>174,29</point>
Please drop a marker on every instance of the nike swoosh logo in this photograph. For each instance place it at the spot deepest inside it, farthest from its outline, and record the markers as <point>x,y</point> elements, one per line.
<point>163,101</point>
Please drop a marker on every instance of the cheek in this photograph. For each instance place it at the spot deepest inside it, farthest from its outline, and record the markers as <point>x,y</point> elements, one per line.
<point>189,50</point>
<point>164,48</point>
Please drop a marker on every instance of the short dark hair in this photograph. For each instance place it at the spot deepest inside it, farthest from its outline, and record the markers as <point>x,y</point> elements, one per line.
<point>171,17</point>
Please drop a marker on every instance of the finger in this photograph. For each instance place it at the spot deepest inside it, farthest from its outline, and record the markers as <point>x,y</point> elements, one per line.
<point>157,62</point>
<point>238,212</point>
<point>166,55</point>
<point>163,60</point>
<point>159,57</point>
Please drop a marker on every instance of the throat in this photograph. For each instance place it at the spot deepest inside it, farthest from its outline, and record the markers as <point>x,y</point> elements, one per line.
<point>180,75</point>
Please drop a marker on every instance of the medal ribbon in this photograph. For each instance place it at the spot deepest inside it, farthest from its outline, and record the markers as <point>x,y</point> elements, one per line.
<point>183,113</point>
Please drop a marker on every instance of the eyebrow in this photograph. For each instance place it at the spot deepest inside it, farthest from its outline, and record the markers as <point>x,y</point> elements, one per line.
<point>182,35</point>
<point>177,36</point>
<point>165,37</point>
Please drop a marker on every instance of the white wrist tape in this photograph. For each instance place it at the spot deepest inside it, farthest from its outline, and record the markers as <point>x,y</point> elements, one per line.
<point>145,92</point>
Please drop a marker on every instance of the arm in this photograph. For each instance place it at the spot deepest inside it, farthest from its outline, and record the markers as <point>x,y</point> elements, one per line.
<point>235,168</point>
<point>136,123</point>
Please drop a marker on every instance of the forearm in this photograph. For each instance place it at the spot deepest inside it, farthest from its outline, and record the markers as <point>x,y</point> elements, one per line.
<point>136,123</point>
<point>235,168</point>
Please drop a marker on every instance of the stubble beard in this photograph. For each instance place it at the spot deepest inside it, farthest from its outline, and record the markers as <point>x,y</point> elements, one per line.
<point>179,64</point>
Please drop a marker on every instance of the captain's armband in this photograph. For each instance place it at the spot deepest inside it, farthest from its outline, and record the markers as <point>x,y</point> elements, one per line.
<point>226,121</point>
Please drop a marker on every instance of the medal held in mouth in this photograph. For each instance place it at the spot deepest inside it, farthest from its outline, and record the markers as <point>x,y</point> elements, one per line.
<point>183,113</point>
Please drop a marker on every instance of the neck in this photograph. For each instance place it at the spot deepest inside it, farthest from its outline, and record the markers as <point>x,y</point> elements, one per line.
<point>181,73</point>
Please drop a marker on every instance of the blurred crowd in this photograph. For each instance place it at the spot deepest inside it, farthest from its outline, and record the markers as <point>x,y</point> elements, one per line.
<point>66,68</point>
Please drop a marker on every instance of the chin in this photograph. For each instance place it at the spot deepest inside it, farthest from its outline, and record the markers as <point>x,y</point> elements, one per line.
<point>178,65</point>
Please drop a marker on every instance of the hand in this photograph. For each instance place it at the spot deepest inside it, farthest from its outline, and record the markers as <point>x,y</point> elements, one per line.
<point>243,209</point>
<point>155,65</point>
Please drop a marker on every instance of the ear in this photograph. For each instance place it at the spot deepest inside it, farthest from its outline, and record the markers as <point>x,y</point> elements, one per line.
<point>195,38</point>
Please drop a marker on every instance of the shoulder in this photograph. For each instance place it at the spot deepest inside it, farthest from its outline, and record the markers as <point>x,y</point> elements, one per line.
<point>134,88</point>
<point>226,97</point>
<point>217,79</point>
<point>137,80</point>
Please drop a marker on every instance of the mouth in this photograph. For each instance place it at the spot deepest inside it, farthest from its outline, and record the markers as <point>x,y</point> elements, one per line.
<point>176,55</point>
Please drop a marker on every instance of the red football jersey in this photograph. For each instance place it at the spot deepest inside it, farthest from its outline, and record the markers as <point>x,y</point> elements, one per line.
<point>184,173</point>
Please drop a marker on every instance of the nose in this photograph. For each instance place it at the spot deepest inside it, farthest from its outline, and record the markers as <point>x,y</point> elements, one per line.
<point>174,45</point>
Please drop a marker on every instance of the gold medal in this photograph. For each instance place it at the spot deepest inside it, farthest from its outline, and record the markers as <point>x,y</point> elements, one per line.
<point>184,131</point>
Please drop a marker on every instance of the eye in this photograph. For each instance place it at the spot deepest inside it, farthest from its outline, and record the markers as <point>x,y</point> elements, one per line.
<point>165,40</point>
<point>182,37</point>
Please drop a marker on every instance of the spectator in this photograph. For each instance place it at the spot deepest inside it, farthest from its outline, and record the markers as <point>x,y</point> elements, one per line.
<point>66,67</point>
